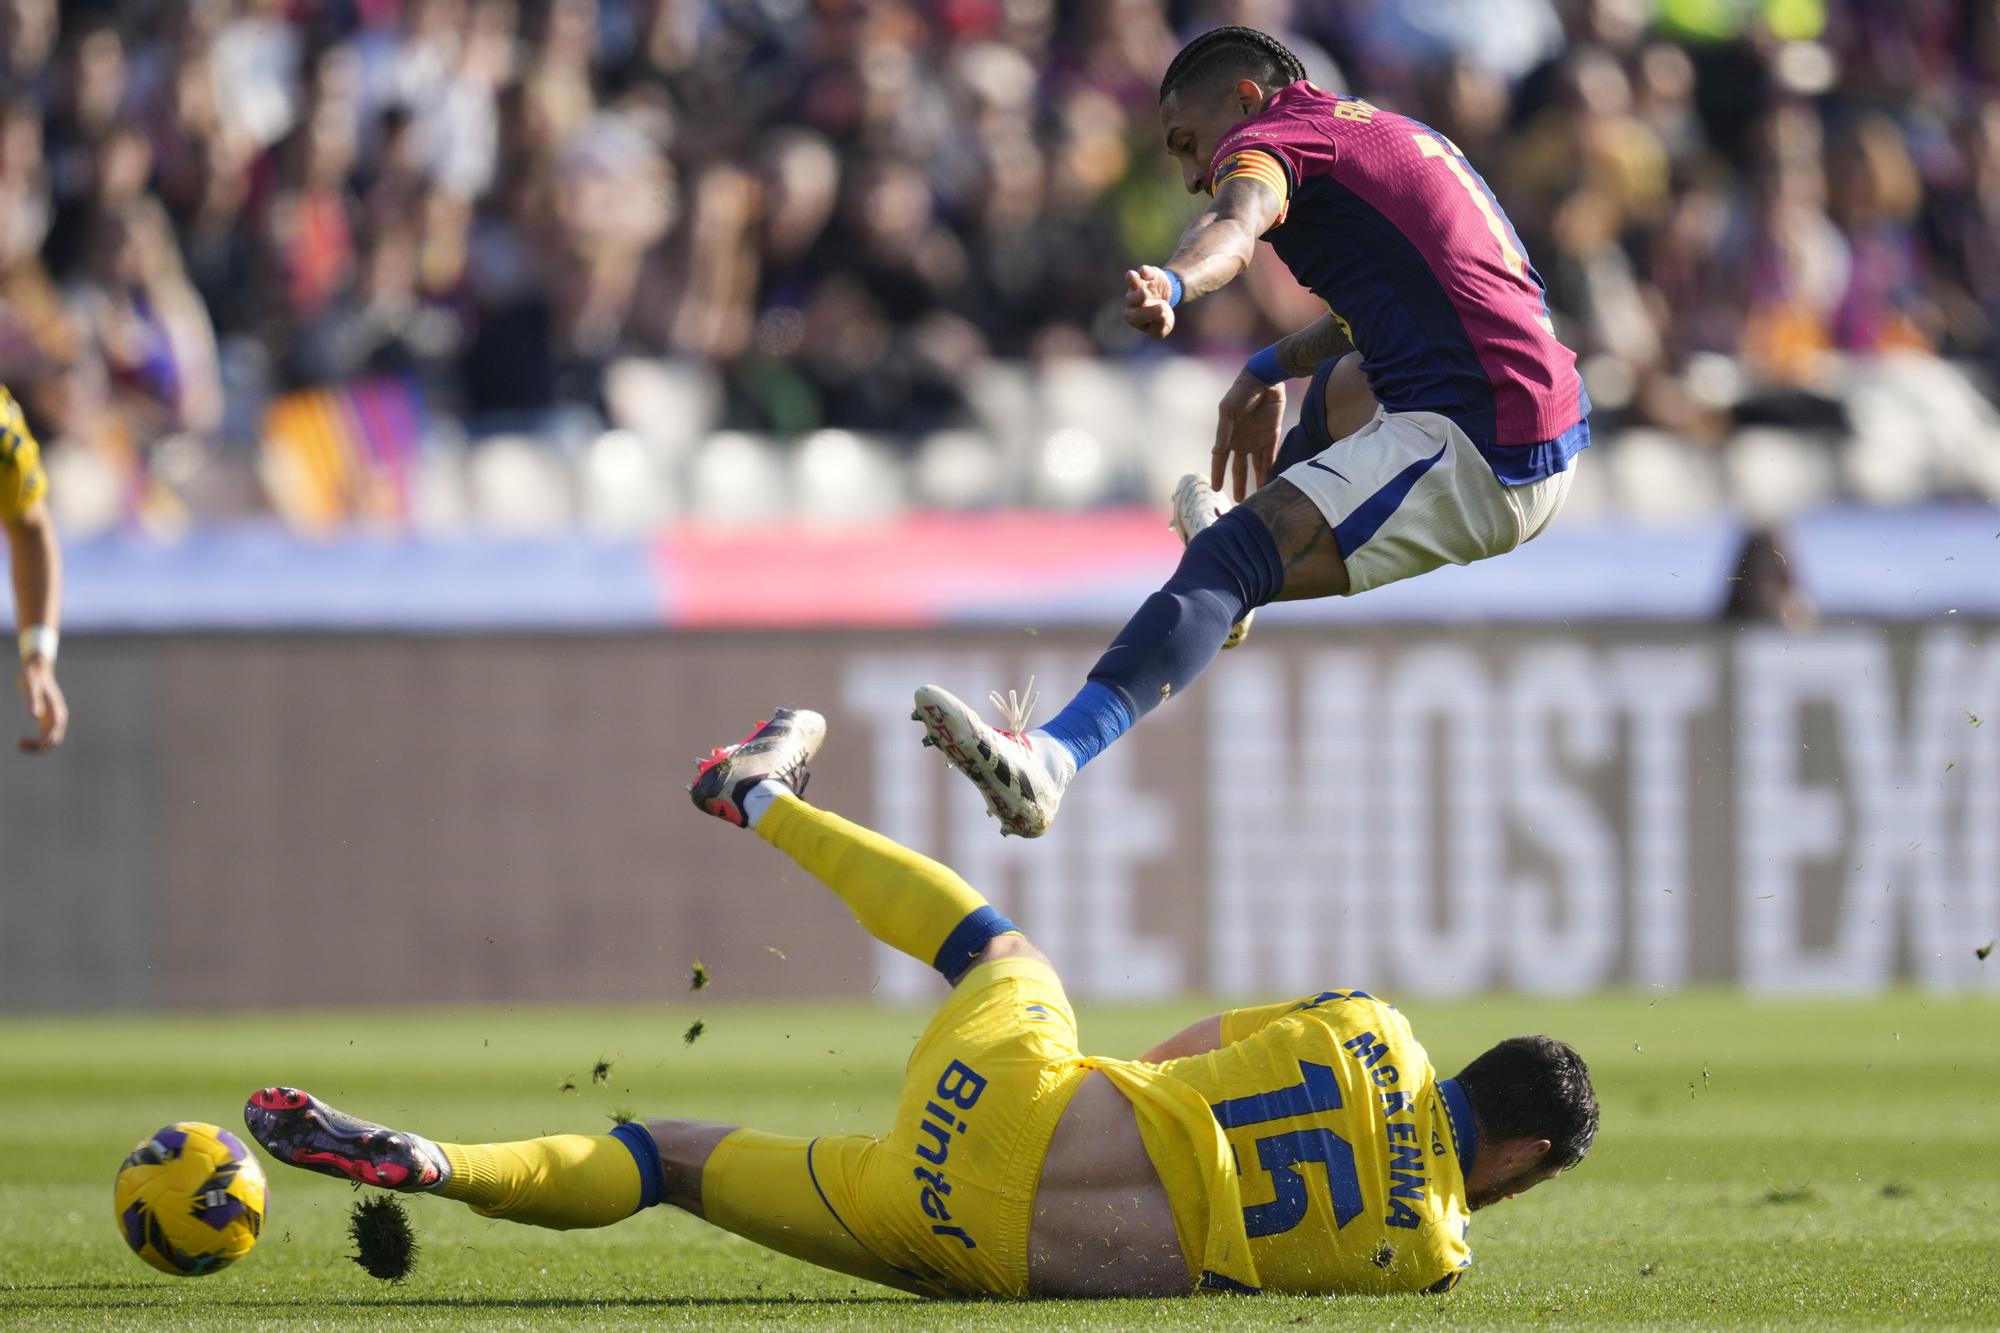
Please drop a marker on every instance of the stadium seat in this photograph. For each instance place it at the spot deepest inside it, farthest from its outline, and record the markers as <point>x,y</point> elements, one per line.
<point>1589,492</point>
<point>1100,398</point>
<point>519,487</point>
<point>1920,430</point>
<point>1179,398</point>
<point>441,485</point>
<point>1093,432</point>
<point>736,480</point>
<point>622,489</point>
<point>840,479</point>
<point>1658,480</point>
<point>1773,474</point>
<point>1003,396</point>
<point>86,492</point>
<point>670,405</point>
<point>1072,469</point>
<point>956,469</point>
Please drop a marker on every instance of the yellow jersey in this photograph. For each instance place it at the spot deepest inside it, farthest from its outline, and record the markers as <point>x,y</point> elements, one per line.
<point>22,481</point>
<point>1316,1150</point>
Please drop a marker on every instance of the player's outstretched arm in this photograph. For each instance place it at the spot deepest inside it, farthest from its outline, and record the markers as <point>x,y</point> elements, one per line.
<point>37,570</point>
<point>1300,354</point>
<point>1212,252</point>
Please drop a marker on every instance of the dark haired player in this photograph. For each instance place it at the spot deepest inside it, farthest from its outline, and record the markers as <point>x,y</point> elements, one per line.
<point>1468,454</point>
<point>1307,1146</point>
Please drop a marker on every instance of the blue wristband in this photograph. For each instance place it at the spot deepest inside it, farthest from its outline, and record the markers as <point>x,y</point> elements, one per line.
<point>1266,366</point>
<point>1174,279</point>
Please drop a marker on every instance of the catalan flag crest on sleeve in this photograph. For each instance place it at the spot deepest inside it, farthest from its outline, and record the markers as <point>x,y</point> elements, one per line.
<point>1257,165</point>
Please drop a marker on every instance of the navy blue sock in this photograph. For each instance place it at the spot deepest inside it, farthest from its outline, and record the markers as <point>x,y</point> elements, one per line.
<point>1091,721</point>
<point>1230,568</point>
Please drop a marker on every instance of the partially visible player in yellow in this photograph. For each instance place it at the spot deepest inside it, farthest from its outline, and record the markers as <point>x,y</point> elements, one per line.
<point>37,568</point>
<point>1304,1147</point>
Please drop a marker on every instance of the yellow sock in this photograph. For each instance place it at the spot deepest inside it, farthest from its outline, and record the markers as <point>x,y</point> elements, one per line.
<point>564,1182</point>
<point>907,901</point>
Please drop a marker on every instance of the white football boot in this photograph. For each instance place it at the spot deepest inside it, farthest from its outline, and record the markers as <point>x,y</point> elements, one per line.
<point>1196,505</point>
<point>1022,783</point>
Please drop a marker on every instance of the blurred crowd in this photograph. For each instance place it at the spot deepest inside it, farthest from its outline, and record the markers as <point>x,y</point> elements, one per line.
<point>842,208</point>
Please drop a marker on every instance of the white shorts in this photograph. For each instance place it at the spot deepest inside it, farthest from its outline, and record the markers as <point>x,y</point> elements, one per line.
<point>1409,491</point>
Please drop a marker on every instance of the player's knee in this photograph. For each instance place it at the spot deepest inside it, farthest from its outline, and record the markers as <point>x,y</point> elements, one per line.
<point>684,1147</point>
<point>1309,554</point>
<point>1236,557</point>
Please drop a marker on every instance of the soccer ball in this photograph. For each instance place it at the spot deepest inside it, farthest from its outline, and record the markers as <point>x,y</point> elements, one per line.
<point>190,1199</point>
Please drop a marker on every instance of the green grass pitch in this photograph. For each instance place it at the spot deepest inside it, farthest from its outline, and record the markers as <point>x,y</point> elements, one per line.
<point>1822,1163</point>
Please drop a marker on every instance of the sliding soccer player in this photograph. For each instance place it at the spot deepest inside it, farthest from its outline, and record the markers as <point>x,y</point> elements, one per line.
<point>1303,1147</point>
<point>1480,410</point>
<point>37,568</point>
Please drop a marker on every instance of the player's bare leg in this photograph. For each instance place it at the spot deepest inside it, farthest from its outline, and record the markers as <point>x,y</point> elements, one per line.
<point>684,1147</point>
<point>1313,566</point>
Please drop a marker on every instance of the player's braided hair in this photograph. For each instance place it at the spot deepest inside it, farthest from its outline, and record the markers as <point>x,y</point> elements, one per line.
<point>1255,54</point>
<point>1534,1088</point>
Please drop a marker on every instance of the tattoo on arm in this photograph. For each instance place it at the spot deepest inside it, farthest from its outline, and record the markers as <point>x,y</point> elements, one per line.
<point>1220,243</point>
<point>1301,353</point>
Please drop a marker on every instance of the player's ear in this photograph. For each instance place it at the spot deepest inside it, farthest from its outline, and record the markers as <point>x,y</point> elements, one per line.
<point>1249,97</point>
<point>1518,1157</point>
<point>1531,1153</point>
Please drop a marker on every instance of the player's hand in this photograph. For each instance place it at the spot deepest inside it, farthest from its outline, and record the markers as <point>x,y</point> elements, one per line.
<point>1147,292</point>
<point>45,704</point>
<point>1247,426</point>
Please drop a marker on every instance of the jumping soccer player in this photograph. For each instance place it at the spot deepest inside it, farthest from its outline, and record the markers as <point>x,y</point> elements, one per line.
<point>37,566</point>
<point>1303,1147</point>
<point>1468,454</point>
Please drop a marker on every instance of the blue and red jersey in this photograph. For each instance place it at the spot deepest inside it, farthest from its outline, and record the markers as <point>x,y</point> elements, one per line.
<point>1385,221</point>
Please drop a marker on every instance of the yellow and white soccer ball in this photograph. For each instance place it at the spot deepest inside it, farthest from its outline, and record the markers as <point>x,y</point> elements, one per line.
<point>190,1199</point>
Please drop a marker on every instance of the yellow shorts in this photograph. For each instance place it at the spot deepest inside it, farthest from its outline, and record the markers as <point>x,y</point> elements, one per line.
<point>947,1199</point>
